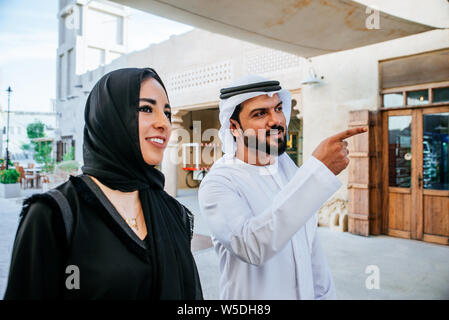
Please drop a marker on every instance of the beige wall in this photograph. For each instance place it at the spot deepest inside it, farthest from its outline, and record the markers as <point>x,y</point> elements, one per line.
<point>351,83</point>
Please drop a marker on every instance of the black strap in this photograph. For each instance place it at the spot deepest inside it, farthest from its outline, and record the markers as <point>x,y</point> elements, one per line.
<point>188,218</point>
<point>250,86</point>
<point>67,215</point>
<point>66,211</point>
<point>264,86</point>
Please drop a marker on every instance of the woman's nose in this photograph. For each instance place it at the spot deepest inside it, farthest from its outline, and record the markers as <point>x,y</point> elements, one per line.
<point>161,121</point>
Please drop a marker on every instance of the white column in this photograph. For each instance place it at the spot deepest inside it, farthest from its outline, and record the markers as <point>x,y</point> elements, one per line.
<point>169,165</point>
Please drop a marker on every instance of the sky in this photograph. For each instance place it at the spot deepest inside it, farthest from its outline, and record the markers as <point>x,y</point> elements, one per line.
<point>28,43</point>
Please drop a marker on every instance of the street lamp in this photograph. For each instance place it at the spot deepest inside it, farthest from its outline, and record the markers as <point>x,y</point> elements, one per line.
<point>7,130</point>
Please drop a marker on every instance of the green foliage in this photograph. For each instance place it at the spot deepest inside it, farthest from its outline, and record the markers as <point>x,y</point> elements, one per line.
<point>35,130</point>
<point>42,149</point>
<point>49,165</point>
<point>68,166</point>
<point>9,176</point>
<point>26,146</point>
<point>3,160</point>
<point>69,155</point>
<point>43,152</point>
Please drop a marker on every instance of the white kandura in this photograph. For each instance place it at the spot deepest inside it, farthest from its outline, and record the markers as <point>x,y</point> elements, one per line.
<point>263,219</point>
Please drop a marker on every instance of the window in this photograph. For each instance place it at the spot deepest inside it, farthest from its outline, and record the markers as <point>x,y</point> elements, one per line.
<point>441,95</point>
<point>70,63</point>
<point>415,98</point>
<point>416,95</point>
<point>62,65</point>
<point>399,151</point>
<point>393,99</point>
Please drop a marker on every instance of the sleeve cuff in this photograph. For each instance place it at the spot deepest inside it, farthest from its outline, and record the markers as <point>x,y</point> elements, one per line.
<point>325,174</point>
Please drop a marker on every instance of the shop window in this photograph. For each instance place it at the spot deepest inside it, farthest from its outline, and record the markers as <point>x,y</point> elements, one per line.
<point>393,99</point>
<point>441,95</point>
<point>415,98</point>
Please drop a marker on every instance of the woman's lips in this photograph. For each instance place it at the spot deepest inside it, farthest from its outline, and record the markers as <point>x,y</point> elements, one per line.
<point>159,142</point>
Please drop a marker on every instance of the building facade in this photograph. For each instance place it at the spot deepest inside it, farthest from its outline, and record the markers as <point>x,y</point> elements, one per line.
<point>397,180</point>
<point>18,122</point>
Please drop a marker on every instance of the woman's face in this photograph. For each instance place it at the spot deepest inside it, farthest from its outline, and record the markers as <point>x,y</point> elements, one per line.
<point>154,121</point>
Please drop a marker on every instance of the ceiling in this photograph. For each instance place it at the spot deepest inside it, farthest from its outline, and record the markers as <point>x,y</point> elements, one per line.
<point>304,27</point>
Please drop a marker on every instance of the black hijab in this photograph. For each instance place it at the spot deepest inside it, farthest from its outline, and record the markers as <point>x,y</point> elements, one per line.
<point>112,155</point>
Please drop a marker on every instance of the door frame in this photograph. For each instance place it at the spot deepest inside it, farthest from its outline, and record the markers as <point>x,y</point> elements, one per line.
<point>417,191</point>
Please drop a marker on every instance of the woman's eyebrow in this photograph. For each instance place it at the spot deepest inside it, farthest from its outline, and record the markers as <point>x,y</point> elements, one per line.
<point>152,101</point>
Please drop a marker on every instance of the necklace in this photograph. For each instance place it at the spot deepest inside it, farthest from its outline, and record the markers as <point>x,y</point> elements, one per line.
<point>132,222</point>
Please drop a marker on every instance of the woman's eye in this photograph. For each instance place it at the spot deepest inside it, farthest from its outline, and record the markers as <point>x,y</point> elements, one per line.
<point>168,114</point>
<point>145,109</point>
<point>279,109</point>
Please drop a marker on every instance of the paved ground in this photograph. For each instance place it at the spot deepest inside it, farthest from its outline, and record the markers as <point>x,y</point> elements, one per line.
<point>9,214</point>
<point>408,269</point>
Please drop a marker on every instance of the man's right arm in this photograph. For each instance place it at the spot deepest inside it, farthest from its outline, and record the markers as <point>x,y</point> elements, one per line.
<point>253,237</point>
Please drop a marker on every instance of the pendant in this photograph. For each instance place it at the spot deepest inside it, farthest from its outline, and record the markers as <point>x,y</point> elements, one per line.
<point>132,222</point>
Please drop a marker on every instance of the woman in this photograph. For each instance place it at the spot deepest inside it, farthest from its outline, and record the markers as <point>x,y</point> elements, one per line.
<point>129,239</point>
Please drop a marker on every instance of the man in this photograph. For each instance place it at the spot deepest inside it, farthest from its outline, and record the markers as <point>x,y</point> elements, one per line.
<point>260,207</point>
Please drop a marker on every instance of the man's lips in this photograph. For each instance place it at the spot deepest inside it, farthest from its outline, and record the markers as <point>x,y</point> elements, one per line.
<point>277,133</point>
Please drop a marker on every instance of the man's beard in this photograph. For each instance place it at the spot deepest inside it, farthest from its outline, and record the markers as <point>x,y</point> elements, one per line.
<point>267,148</point>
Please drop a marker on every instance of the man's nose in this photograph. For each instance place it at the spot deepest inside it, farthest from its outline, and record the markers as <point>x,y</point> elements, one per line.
<point>274,119</point>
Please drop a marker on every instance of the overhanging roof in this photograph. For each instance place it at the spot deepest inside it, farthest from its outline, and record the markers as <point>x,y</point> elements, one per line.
<point>303,27</point>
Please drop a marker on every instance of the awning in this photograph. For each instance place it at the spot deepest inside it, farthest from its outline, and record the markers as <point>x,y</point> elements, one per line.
<point>303,27</point>
<point>38,140</point>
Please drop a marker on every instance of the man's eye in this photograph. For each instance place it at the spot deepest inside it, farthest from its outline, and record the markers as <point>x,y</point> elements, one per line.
<point>145,109</point>
<point>279,108</point>
<point>259,114</point>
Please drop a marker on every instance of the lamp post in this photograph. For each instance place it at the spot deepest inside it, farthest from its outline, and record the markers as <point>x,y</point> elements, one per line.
<point>7,130</point>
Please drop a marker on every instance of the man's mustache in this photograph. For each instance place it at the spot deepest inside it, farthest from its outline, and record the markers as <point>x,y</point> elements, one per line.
<point>275,128</point>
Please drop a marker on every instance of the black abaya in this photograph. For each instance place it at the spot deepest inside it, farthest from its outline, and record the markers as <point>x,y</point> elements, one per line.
<point>113,262</point>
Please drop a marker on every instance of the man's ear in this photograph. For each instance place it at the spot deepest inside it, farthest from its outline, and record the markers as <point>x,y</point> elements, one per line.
<point>235,127</point>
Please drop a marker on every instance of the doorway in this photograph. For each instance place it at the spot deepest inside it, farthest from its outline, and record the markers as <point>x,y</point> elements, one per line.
<point>415,159</point>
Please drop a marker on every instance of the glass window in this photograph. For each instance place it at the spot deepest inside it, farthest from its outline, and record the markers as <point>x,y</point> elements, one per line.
<point>399,151</point>
<point>440,95</point>
<point>415,98</point>
<point>393,100</point>
<point>435,151</point>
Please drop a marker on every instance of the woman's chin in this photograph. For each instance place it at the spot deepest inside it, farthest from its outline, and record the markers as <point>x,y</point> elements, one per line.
<point>152,161</point>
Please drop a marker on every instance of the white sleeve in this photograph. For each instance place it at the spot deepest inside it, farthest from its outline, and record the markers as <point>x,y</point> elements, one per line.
<point>255,238</point>
<point>322,278</point>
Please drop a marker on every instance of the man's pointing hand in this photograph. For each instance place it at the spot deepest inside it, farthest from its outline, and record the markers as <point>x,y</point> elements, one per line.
<point>333,151</point>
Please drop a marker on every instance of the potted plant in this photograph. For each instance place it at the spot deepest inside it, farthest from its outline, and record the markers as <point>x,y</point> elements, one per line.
<point>9,183</point>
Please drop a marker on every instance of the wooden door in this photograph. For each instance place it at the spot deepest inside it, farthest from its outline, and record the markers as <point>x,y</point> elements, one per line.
<point>416,174</point>
<point>434,174</point>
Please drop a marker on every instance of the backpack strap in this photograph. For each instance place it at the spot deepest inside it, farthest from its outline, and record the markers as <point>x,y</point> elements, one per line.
<point>188,219</point>
<point>66,211</point>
